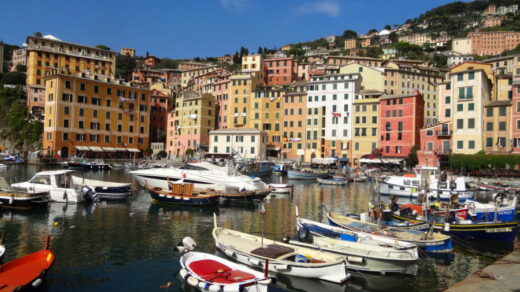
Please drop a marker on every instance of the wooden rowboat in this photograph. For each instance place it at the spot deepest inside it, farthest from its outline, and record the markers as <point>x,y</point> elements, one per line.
<point>27,273</point>
<point>281,188</point>
<point>183,194</point>
<point>282,257</point>
<point>212,273</point>
<point>335,182</point>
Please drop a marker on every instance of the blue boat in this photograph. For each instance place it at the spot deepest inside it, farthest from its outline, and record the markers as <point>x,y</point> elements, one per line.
<point>306,175</point>
<point>429,242</point>
<point>183,194</point>
<point>486,212</point>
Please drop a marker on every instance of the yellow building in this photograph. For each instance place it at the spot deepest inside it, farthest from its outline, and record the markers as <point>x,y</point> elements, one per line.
<point>252,63</point>
<point>365,136</point>
<point>187,75</point>
<point>241,91</point>
<point>93,116</point>
<point>45,54</point>
<point>372,78</point>
<point>189,123</point>
<point>266,114</point>
<point>461,46</point>
<point>315,132</point>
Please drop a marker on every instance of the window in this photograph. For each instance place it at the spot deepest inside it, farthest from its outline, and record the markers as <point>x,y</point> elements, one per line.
<point>252,150</point>
<point>460,77</point>
<point>489,126</point>
<point>66,110</point>
<point>471,144</point>
<point>471,75</point>
<point>489,142</point>
<point>466,92</point>
<point>489,111</point>
<point>502,126</point>
<point>502,111</point>
<point>460,144</point>
<point>471,123</point>
<point>429,133</point>
<point>447,113</point>
<point>471,106</point>
<point>447,99</point>
<point>460,107</point>
<point>460,123</point>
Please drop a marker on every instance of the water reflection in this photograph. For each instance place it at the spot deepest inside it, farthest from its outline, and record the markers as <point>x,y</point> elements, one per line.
<point>130,246</point>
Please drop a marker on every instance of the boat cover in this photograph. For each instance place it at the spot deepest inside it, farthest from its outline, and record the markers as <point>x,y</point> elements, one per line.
<point>272,251</point>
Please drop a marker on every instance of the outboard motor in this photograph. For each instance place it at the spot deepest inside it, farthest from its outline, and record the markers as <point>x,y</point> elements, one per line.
<point>303,234</point>
<point>187,244</point>
<point>89,195</point>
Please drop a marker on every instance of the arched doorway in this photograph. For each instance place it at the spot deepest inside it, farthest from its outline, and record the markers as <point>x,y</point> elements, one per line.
<point>64,152</point>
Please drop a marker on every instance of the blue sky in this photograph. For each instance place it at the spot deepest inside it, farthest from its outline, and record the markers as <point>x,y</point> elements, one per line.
<point>199,28</point>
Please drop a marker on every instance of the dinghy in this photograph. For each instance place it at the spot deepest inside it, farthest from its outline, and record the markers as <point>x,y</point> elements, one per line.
<point>362,251</point>
<point>183,194</point>
<point>281,188</point>
<point>334,182</point>
<point>105,190</point>
<point>429,242</point>
<point>279,257</point>
<point>27,273</point>
<point>212,273</point>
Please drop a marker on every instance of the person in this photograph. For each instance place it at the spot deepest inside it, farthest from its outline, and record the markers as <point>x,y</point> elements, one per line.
<point>394,206</point>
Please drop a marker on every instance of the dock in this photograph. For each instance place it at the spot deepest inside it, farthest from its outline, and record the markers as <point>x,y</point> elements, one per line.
<point>501,275</point>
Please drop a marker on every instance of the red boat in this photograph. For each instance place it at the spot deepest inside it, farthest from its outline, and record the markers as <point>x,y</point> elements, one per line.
<point>27,273</point>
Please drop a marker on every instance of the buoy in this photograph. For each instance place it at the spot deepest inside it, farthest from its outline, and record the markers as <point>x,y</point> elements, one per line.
<point>192,281</point>
<point>168,285</point>
<point>214,288</point>
<point>56,224</point>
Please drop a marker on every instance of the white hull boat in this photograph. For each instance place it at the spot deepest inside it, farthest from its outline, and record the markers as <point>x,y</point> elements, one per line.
<point>281,188</point>
<point>104,189</point>
<point>282,258</point>
<point>208,272</point>
<point>203,175</point>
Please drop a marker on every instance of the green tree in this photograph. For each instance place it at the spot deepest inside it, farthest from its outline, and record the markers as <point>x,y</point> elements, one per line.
<point>15,78</point>
<point>371,31</point>
<point>393,37</point>
<point>349,34</point>
<point>374,52</point>
<point>167,63</point>
<point>20,68</point>
<point>411,159</point>
<point>125,65</point>
<point>103,47</point>
<point>260,51</point>
<point>162,154</point>
<point>38,34</point>
<point>190,152</point>
<point>387,26</point>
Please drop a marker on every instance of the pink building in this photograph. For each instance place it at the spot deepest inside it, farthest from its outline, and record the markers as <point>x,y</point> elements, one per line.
<point>279,71</point>
<point>515,116</point>
<point>221,90</point>
<point>401,118</point>
<point>151,61</point>
<point>160,105</point>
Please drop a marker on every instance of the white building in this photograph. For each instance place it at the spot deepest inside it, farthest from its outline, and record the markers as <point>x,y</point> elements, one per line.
<point>331,96</point>
<point>459,59</point>
<point>248,143</point>
<point>252,63</point>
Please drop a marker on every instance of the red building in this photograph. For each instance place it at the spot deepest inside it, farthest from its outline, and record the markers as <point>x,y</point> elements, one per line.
<point>435,145</point>
<point>515,117</point>
<point>401,118</point>
<point>279,71</point>
<point>160,105</point>
<point>151,61</point>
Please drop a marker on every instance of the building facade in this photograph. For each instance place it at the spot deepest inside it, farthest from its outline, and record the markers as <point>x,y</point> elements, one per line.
<point>365,137</point>
<point>248,143</point>
<point>19,58</point>
<point>127,52</point>
<point>493,42</point>
<point>94,117</point>
<point>294,121</point>
<point>279,71</point>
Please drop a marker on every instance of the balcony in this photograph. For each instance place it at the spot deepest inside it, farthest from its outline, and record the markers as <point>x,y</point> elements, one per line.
<point>444,133</point>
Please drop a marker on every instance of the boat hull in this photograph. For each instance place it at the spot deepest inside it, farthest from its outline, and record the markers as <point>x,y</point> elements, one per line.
<point>28,273</point>
<point>22,200</point>
<point>157,197</point>
<point>294,174</point>
<point>333,182</point>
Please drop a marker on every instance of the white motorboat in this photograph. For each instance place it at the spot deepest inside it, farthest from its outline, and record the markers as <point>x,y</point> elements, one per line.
<point>203,175</point>
<point>409,185</point>
<point>208,272</point>
<point>104,189</point>
<point>281,188</point>
<point>362,251</point>
<point>282,257</point>
<point>60,186</point>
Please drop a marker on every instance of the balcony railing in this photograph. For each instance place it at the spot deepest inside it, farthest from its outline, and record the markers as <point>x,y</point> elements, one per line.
<point>444,133</point>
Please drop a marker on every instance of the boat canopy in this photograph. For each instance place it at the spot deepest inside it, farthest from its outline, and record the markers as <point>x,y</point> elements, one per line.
<point>325,161</point>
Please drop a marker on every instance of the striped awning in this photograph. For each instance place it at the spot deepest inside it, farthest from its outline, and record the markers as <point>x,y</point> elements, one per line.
<point>96,149</point>
<point>109,149</point>
<point>82,148</point>
<point>133,150</point>
<point>120,149</point>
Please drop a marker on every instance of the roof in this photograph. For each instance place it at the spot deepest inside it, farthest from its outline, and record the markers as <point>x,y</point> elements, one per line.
<point>68,43</point>
<point>392,96</point>
<point>499,103</point>
<point>235,131</point>
<point>370,92</point>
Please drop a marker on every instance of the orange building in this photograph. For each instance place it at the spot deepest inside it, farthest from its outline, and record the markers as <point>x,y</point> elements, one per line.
<point>127,52</point>
<point>279,71</point>
<point>47,53</point>
<point>151,61</point>
<point>94,117</point>
<point>160,105</point>
<point>294,117</point>
<point>493,42</point>
<point>350,44</point>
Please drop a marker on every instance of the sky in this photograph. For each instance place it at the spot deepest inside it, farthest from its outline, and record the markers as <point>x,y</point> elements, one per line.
<point>199,28</point>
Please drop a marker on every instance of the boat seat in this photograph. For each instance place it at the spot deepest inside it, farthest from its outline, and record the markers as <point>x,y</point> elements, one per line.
<point>213,271</point>
<point>207,267</point>
<point>272,251</point>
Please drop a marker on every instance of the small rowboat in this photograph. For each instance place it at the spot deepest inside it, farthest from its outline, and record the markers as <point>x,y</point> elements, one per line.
<point>27,273</point>
<point>335,182</point>
<point>240,196</point>
<point>212,273</point>
<point>497,186</point>
<point>183,194</point>
<point>361,178</point>
<point>281,257</point>
<point>281,188</point>
<point>306,174</point>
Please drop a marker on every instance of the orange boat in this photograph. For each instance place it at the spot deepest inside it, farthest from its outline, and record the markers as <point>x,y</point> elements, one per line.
<point>27,273</point>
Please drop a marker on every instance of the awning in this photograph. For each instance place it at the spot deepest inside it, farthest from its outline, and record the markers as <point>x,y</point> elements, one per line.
<point>273,148</point>
<point>133,150</point>
<point>109,149</point>
<point>82,148</point>
<point>120,149</point>
<point>381,160</point>
<point>96,149</point>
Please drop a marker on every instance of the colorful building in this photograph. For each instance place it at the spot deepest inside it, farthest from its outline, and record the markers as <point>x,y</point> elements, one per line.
<point>401,117</point>
<point>350,44</point>
<point>127,52</point>
<point>94,117</point>
<point>189,123</point>
<point>221,90</point>
<point>248,143</point>
<point>294,121</point>
<point>253,63</point>
<point>151,61</point>
<point>161,103</point>
<point>365,123</point>
<point>45,54</point>
<point>279,71</point>
<point>188,74</point>
<point>242,86</point>
<point>493,42</point>
<point>19,58</point>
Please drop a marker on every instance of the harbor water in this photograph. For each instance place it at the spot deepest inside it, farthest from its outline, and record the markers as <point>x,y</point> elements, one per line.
<point>130,246</point>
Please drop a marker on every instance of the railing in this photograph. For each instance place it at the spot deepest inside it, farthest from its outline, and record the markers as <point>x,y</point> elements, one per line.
<point>444,133</point>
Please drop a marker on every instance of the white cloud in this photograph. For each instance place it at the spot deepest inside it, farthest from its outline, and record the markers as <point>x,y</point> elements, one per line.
<point>233,5</point>
<point>329,8</point>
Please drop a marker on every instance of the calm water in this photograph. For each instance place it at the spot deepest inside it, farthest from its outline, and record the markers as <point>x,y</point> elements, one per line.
<point>131,246</point>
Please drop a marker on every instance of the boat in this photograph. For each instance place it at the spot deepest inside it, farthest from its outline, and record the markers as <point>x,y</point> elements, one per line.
<point>429,242</point>
<point>3,166</point>
<point>27,273</point>
<point>307,174</point>
<point>203,175</point>
<point>183,194</point>
<point>242,196</point>
<point>256,168</point>
<point>361,251</point>
<point>279,257</point>
<point>281,188</point>
<point>360,178</point>
<point>105,190</point>
<point>336,182</point>
<point>497,186</point>
<point>504,208</point>
<point>409,185</point>
<point>21,199</point>
<point>488,231</point>
<point>88,165</point>
<point>340,177</point>
<point>208,272</point>
<point>281,168</point>
<point>59,185</point>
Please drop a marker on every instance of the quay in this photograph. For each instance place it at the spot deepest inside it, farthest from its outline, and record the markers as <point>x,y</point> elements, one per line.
<point>502,275</point>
